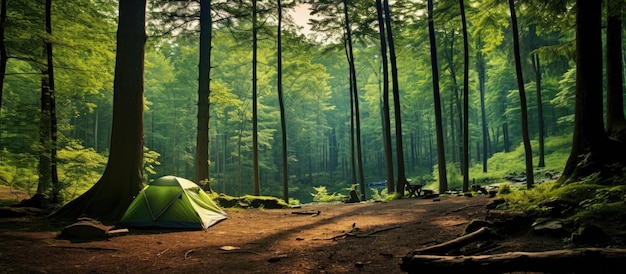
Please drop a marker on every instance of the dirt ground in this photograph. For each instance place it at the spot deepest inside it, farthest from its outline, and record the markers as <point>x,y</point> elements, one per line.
<point>262,241</point>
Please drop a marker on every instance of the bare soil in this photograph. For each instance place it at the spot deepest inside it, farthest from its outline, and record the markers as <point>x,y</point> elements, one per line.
<point>344,238</point>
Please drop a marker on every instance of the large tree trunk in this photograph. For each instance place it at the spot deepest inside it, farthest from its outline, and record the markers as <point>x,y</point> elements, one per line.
<point>441,155</point>
<point>204,93</point>
<point>122,179</point>
<point>385,105</point>
<point>589,136</point>
<point>522,97</point>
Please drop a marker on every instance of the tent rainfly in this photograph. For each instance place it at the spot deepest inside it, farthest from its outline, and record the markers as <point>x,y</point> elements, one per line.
<point>172,202</point>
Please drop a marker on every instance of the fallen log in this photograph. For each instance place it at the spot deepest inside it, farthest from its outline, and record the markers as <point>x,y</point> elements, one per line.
<point>581,260</point>
<point>454,245</point>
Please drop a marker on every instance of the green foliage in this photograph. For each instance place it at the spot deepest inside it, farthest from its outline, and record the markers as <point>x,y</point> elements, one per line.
<point>592,203</point>
<point>248,201</point>
<point>502,164</point>
<point>18,171</point>
<point>504,189</point>
<point>79,168</point>
<point>321,195</point>
<point>383,195</point>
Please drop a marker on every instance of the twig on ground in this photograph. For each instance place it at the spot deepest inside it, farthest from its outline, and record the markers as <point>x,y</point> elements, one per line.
<point>187,253</point>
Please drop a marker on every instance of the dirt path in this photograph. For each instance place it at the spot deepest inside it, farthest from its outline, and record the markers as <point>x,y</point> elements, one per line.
<point>261,241</point>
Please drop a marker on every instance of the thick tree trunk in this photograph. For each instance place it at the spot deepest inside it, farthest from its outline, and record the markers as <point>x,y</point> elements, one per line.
<point>122,179</point>
<point>441,155</point>
<point>584,260</point>
<point>589,136</point>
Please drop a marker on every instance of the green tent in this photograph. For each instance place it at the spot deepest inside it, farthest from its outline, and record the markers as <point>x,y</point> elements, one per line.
<point>172,202</point>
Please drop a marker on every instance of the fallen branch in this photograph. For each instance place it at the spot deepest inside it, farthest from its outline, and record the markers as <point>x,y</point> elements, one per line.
<point>383,230</point>
<point>312,213</point>
<point>582,260</point>
<point>355,230</point>
<point>86,247</point>
<point>162,252</point>
<point>455,244</point>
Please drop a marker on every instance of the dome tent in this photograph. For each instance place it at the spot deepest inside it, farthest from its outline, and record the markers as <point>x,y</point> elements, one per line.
<point>172,202</point>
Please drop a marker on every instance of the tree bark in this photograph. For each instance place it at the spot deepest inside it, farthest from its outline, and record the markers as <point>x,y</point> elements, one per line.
<point>385,105</point>
<point>108,199</point>
<point>465,148</point>
<point>455,244</point>
<point>589,136</point>
<point>402,181</point>
<point>480,63</point>
<point>281,104</point>
<point>441,155</point>
<point>537,67</point>
<point>54,177</point>
<point>355,91</point>
<point>204,92</point>
<point>522,96</point>
<point>3,48</point>
<point>256,185</point>
<point>583,260</point>
<point>615,121</point>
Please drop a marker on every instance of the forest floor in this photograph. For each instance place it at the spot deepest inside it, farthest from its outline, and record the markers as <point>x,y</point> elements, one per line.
<point>363,237</point>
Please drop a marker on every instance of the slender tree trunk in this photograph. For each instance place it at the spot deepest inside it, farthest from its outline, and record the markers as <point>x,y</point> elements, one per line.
<point>480,63</point>
<point>3,49</point>
<point>402,181</point>
<point>385,109</point>
<point>352,141</point>
<point>465,147</point>
<point>255,132</point>
<point>542,134</point>
<point>281,104</point>
<point>54,177</point>
<point>204,93</point>
<point>44,180</point>
<point>441,155</point>
<point>122,179</point>
<point>522,94</point>
<point>615,122</point>
<point>354,89</point>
